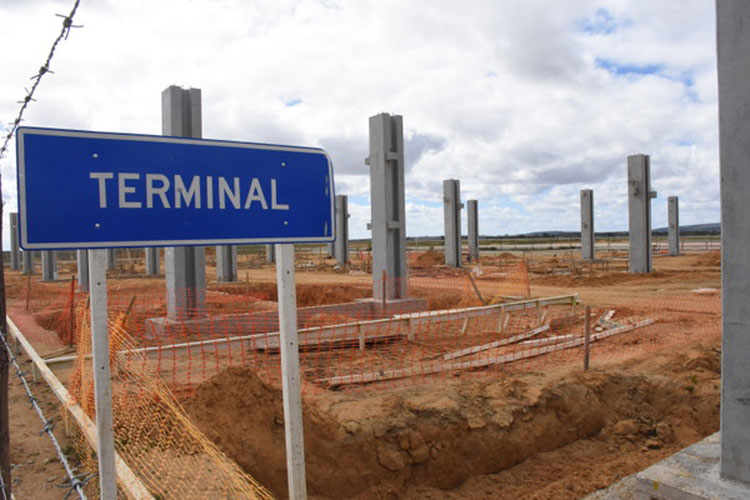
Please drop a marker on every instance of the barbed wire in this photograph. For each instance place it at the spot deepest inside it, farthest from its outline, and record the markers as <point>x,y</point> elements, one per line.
<point>2,487</point>
<point>43,70</point>
<point>76,482</point>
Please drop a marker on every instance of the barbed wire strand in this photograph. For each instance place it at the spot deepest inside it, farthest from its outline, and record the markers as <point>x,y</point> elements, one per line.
<point>43,70</point>
<point>2,487</point>
<point>76,482</point>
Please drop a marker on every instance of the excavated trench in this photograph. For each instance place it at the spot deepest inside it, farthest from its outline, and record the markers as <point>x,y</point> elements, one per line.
<point>363,443</point>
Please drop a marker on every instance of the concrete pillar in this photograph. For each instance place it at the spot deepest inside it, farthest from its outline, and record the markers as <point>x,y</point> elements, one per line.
<point>673,230</point>
<point>330,249</point>
<point>452,221</point>
<point>733,48</point>
<point>639,213</point>
<point>27,258</point>
<point>82,261</point>
<point>386,161</point>
<point>270,254</point>
<point>226,263</point>
<point>49,265</point>
<point>341,245</point>
<point>111,259</point>
<point>152,262</point>
<point>15,251</point>
<point>472,221</point>
<point>587,224</point>
<point>185,266</point>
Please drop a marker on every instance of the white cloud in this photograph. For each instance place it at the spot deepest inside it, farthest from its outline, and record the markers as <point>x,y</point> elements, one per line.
<point>525,102</point>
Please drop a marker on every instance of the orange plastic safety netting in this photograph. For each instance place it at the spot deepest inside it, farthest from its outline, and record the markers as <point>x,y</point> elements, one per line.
<point>370,344</point>
<point>153,435</point>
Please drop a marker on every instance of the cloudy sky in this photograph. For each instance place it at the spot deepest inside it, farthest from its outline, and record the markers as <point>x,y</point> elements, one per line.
<point>526,102</point>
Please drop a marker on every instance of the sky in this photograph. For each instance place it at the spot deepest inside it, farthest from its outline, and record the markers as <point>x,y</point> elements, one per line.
<point>525,102</point>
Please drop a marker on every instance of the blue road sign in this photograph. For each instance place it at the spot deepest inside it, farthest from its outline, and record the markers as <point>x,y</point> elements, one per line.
<point>98,190</point>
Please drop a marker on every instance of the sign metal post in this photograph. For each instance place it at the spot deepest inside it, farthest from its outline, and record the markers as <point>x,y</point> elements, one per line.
<point>102,381</point>
<point>290,373</point>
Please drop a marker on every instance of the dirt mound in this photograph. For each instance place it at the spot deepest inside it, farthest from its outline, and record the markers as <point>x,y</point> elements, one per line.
<point>416,442</point>
<point>712,259</point>
<point>429,258</point>
<point>244,417</point>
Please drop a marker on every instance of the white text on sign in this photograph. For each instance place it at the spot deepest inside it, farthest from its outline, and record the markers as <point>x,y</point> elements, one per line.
<point>158,190</point>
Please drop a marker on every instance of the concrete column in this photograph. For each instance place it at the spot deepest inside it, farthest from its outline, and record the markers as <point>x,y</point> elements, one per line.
<point>341,245</point>
<point>673,230</point>
<point>226,263</point>
<point>15,251</point>
<point>386,161</point>
<point>587,224</point>
<point>49,265</point>
<point>733,48</point>
<point>82,261</point>
<point>452,221</point>
<point>472,221</point>
<point>152,262</point>
<point>111,259</point>
<point>270,254</point>
<point>185,266</point>
<point>27,258</point>
<point>639,213</point>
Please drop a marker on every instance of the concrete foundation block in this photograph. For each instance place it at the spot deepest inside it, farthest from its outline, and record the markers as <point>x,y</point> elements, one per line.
<point>691,474</point>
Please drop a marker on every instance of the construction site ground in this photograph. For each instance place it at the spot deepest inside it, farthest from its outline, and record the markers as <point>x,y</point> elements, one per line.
<point>556,432</point>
